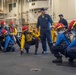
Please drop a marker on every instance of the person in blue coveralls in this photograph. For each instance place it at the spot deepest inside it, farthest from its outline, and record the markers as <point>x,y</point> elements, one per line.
<point>71,49</point>
<point>8,43</point>
<point>2,26</point>
<point>62,43</point>
<point>44,22</point>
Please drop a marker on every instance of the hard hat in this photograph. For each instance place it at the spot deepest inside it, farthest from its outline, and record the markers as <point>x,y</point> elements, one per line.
<point>59,25</point>
<point>11,23</point>
<point>2,22</point>
<point>24,28</point>
<point>72,24</point>
<point>4,31</point>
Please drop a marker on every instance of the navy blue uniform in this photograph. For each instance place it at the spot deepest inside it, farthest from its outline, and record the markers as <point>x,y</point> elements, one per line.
<point>44,24</point>
<point>64,22</point>
<point>61,44</point>
<point>71,49</point>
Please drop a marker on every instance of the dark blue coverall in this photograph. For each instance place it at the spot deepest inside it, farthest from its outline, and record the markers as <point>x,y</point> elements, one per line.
<point>71,49</point>
<point>61,44</point>
<point>64,21</point>
<point>45,31</point>
<point>8,44</point>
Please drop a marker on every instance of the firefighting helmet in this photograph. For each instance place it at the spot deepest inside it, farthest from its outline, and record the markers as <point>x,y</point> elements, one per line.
<point>2,22</point>
<point>11,23</point>
<point>72,24</point>
<point>59,25</point>
<point>24,28</point>
<point>4,31</point>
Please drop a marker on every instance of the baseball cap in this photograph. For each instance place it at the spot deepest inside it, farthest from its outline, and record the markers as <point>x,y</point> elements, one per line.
<point>60,15</point>
<point>42,9</point>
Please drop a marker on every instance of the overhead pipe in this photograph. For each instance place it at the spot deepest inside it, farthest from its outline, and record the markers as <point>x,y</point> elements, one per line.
<point>21,11</point>
<point>12,8</point>
<point>2,4</point>
<point>3,8</point>
<point>52,9</point>
<point>17,9</point>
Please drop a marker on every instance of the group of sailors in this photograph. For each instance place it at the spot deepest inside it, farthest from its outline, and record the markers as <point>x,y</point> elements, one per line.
<point>8,38</point>
<point>62,46</point>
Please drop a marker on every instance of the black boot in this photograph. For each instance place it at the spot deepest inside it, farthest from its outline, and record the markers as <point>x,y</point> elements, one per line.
<point>71,60</point>
<point>13,49</point>
<point>27,51</point>
<point>0,49</point>
<point>21,52</point>
<point>4,50</point>
<point>36,52</point>
<point>58,60</point>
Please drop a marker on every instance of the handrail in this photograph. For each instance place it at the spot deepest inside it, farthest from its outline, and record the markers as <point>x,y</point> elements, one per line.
<point>37,0</point>
<point>31,19</point>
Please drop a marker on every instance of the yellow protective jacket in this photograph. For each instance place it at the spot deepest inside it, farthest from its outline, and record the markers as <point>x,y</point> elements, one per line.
<point>54,35</point>
<point>14,32</point>
<point>28,37</point>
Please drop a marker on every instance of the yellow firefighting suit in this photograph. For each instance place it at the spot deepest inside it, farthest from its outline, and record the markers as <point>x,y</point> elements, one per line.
<point>28,39</point>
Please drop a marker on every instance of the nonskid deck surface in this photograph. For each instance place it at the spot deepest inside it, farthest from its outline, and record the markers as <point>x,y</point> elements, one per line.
<point>30,64</point>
